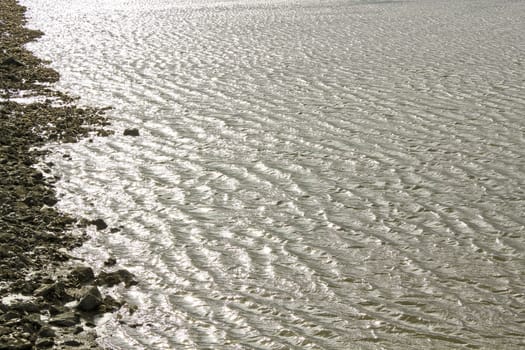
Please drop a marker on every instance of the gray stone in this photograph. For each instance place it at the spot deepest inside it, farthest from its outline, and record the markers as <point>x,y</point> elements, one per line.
<point>131,132</point>
<point>90,300</point>
<point>72,342</point>
<point>44,343</point>
<point>15,344</point>
<point>46,332</point>
<point>10,315</point>
<point>116,277</point>
<point>28,307</point>
<point>110,262</point>
<point>82,275</point>
<point>67,319</point>
<point>55,291</point>
<point>11,61</point>
<point>99,223</point>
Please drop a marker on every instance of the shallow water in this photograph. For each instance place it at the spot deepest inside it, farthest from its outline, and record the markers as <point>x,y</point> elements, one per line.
<point>309,175</point>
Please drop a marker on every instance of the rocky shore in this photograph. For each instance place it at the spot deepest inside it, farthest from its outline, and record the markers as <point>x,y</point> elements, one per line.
<point>48,299</point>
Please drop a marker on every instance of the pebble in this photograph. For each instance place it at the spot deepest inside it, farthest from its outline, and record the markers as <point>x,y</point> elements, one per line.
<point>131,132</point>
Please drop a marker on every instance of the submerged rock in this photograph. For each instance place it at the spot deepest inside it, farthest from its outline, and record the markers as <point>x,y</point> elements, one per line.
<point>110,262</point>
<point>99,223</point>
<point>116,277</point>
<point>131,132</point>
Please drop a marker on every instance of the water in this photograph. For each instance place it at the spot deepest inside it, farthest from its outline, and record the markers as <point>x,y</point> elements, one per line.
<point>309,175</point>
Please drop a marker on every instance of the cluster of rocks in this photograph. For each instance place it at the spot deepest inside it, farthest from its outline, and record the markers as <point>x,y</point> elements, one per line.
<point>47,300</point>
<point>58,312</point>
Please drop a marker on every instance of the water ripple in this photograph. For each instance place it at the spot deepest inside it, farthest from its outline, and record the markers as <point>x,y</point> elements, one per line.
<point>344,174</point>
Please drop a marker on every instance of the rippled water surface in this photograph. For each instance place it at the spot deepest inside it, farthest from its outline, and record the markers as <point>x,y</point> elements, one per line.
<point>309,175</point>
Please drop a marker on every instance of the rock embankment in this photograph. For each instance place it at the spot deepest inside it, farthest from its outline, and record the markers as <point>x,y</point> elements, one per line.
<point>46,301</point>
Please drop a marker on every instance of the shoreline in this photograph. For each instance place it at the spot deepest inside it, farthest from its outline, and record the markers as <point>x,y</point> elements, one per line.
<point>48,299</point>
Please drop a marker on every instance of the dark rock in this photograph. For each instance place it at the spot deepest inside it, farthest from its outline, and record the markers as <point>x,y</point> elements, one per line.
<point>11,61</point>
<point>82,275</point>
<point>99,223</point>
<point>50,292</point>
<point>50,201</point>
<point>10,315</point>
<point>5,330</point>
<point>110,262</point>
<point>44,343</point>
<point>131,132</point>
<point>110,304</point>
<point>90,300</point>
<point>114,278</point>
<point>72,342</point>
<point>57,309</point>
<point>16,344</point>
<point>28,307</point>
<point>4,251</point>
<point>46,332</point>
<point>67,319</point>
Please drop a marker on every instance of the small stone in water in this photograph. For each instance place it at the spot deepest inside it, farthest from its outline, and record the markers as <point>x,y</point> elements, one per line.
<point>131,132</point>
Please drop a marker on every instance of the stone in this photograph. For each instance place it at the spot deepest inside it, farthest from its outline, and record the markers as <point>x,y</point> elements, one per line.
<point>10,315</point>
<point>55,291</point>
<point>5,330</point>
<point>44,343</point>
<point>91,299</point>
<point>50,201</point>
<point>47,332</point>
<point>131,132</point>
<point>72,342</point>
<point>99,223</point>
<point>66,319</point>
<point>116,277</point>
<point>110,262</point>
<point>4,251</point>
<point>110,304</point>
<point>15,344</point>
<point>28,307</point>
<point>11,61</point>
<point>82,275</point>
